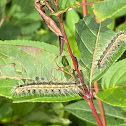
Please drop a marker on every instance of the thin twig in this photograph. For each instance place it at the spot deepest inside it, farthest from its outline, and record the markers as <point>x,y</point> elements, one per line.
<point>100,105</point>
<point>3,14</point>
<point>73,59</point>
<point>2,21</point>
<point>77,6</point>
<point>84,8</point>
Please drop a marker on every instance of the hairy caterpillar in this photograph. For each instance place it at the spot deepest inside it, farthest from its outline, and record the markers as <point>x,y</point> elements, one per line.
<point>47,88</point>
<point>112,46</point>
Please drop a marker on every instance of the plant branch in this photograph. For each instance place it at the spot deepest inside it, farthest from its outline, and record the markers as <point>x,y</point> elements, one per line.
<point>72,57</point>
<point>71,54</point>
<point>90,102</point>
<point>77,6</point>
<point>84,8</point>
<point>3,14</point>
<point>100,105</point>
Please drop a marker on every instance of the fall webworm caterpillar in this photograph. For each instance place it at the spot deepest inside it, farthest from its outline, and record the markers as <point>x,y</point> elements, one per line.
<point>119,39</point>
<point>47,88</point>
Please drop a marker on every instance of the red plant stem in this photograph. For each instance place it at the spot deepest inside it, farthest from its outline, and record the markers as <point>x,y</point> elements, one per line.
<point>71,54</point>
<point>84,8</point>
<point>100,105</point>
<point>90,102</point>
<point>73,59</point>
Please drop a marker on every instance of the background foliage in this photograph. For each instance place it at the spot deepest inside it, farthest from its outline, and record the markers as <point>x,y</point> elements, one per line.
<point>20,24</point>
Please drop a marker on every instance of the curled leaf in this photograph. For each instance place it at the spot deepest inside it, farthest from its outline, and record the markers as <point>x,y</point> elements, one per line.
<point>51,24</point>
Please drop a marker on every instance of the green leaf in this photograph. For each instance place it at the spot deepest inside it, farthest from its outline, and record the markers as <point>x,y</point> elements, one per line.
<point>22,109</point>
<point>72,17</point>
<point>86,35</point>
<point>30,28</point>
<point>5,108</point>
<point>23,12</point>
<point>114,85</point>
<point>2,3</point>
<point>9,31</point>
<point>115,76</point>
<point>25,20</point>
<point>114,96</point>
<point>82,110</point>
<point>30,59</point>
<point>109,8</point>
<point>121,27</point>
<point>42,117</point>
<point>63,4</point>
